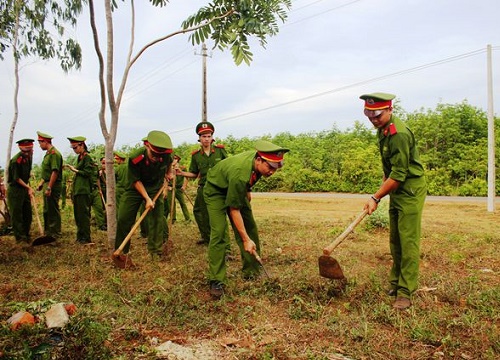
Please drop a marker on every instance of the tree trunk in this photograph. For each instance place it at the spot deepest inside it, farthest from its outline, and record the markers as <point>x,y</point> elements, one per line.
<point>16,97</point>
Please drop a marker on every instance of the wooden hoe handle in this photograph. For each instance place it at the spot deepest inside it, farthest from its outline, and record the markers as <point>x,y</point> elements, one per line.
<point>138,222</point>
<point>328,250</point>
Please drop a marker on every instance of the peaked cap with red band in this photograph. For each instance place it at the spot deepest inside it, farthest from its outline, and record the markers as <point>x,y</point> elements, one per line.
<point>377,101</point>
<point>77,139</point>
<point>205,127</point>
<point>159,142</point>
<point>43,136</point>
<point>271,153</point>
<point>25,144</point>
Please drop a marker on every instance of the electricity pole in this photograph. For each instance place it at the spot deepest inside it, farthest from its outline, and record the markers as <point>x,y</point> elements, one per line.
<point>204,83</point>
<point>491,136</point>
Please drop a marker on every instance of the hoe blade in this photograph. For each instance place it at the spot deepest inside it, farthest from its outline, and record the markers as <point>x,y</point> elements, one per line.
<point>42,240</point>
<point>330,268</point>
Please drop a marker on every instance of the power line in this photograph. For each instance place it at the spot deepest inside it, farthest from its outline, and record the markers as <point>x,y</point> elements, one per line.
<point>342,88</point>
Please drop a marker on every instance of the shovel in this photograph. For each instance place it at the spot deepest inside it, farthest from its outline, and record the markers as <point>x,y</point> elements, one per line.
<point>42,239</point>
<point>118,259</point>
<point>328,266</point>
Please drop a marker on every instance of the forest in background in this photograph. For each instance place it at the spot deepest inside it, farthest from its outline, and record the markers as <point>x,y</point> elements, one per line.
<point>452,139</point>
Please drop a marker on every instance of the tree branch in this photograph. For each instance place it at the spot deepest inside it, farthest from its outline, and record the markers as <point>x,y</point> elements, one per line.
<point>230,12</point>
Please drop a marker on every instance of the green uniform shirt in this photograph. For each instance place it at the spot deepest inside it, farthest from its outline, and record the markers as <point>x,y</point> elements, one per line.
<point>19,168</point>
<point>52,160</point>
<point>201,162</point>
<point>83,182</point>
<point>121,175</point>
<point>233,178</point>
<point>140,168</point>
<point>400,157</point>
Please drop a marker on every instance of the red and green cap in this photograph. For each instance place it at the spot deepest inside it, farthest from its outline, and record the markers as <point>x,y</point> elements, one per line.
<point>159,142</point>
<point>271,153</point>
<point>378,100</point>
<point>119,154</point>
<point>205,127</point>
<point>77,139</point>
<point>44,136</point>
<point>25,144</point>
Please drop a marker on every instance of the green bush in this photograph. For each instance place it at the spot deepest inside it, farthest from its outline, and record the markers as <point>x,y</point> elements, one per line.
<point>379,219</point>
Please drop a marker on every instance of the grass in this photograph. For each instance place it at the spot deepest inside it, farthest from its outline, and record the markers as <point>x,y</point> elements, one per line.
<point>294,315</point>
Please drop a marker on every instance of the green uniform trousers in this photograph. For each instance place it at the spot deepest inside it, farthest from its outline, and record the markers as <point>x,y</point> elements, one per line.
<point>201,216</point>
<point>81,211</point>
<point>51,211</point>
<point>98,209</point>
<point>219,239</point>
<point>405,215</point>
<point>130,203</point>
<point>20,211</point>
<point>179,196</point>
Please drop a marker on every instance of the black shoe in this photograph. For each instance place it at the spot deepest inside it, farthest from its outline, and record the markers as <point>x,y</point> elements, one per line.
<point>216,289</point>
<point>202,242</point>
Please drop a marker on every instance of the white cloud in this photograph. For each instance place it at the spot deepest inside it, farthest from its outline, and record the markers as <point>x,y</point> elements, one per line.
<point>326,53</point>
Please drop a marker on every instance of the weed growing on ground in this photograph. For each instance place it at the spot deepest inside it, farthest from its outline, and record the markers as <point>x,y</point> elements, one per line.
<point>294,314</point>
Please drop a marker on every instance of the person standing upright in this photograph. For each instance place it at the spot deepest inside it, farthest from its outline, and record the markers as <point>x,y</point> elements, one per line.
<point>179,194</point>
<point>51,184</point>
<point>85,175</point>
<point>202,159</point>
<point>98,197</point>
<point>405,183</point>
<point>120,176</point>
<point>20,192</point>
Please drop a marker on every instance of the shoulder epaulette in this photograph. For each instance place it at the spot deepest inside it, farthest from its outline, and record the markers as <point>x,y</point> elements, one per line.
<point>137,159</point>
<point>195,152</point>
<point>220,146</point>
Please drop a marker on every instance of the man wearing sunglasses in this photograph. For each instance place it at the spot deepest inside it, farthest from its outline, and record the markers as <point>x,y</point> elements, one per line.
<point>147,168</point>
<point>228,192</point>
<point>404,182</point>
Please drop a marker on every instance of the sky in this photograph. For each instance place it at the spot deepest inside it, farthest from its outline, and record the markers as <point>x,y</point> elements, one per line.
<point>308,78</point>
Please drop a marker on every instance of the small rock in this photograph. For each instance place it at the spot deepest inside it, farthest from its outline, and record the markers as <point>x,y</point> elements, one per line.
<point>70,308</point>
<point>56,316</point>
<point>21,318</point>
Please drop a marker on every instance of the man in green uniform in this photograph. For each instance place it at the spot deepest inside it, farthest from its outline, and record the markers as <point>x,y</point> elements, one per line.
<point>20,192</point>
<point>120,176</point>
<point>227,192</point>
<point>83,183</point>
<point>405,183</point>
<point>147,168</point>
<point>98,195</point>
<point>179,194</point>
<point>51,183</point>
<point>202,160</point>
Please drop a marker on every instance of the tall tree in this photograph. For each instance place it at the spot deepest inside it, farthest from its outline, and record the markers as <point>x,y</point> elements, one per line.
<point>229,24</point>
<point>26,28</point>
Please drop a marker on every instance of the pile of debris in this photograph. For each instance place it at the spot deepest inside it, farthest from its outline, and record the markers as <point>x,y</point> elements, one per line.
<point>56,317</point>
